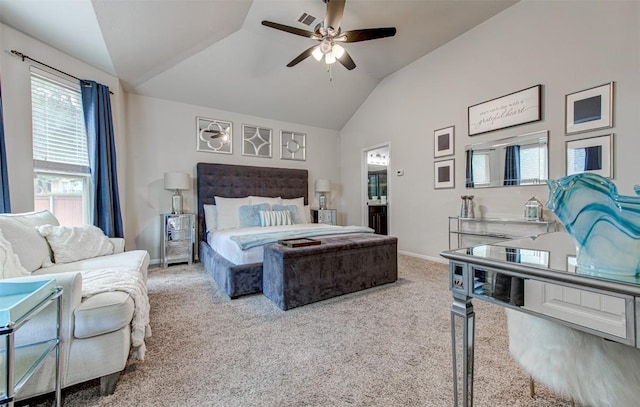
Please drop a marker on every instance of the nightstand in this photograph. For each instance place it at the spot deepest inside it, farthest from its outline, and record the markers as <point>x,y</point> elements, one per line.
<point>328,216</point>
<point>178,238</point>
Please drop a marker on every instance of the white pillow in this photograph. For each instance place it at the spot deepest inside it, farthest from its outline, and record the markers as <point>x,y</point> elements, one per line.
<point>9,261</point>
<point>275,218</point>
<point>299,203</point>
<point>307,214</point>
<point>256,200</point>
<point>71,244</point>
<point>229,211</point>
<point>210,217</point>
<point>31,248</point>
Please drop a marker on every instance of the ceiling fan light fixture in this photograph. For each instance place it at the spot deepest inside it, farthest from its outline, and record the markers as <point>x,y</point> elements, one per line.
<point>325,46</point>
<point>329,58</point>
<point>337,51</point>
<point>328,32</point>
<point>317,53</point>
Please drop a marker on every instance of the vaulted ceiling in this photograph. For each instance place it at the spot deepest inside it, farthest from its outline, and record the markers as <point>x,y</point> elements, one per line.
<point>216,53</point>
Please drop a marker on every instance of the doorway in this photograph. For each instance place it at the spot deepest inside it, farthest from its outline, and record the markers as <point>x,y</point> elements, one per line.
<point>376,188</point>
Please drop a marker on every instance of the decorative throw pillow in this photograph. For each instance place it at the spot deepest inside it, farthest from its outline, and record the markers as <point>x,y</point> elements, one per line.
<point>76,243</point>
<point>250,214</point>
<point>10,265</point>
<point>299,203</point>
<point>228,211</point>
<point>295,215</point>
<point>31,248</point>
<point>275,218</point>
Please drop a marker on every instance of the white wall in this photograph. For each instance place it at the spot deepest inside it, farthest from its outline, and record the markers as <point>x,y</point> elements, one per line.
<point>566,46</point>
<point>16,100</point>
<point>163,138</point>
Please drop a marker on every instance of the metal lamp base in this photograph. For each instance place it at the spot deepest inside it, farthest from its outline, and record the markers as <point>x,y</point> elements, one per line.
<point>176,203</point>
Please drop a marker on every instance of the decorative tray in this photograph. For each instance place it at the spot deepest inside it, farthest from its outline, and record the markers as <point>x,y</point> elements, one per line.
<point>299,242</point>
<point>18,298</point>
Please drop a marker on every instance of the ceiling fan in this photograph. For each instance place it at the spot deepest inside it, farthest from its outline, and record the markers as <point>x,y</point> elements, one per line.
<point>329,34</point>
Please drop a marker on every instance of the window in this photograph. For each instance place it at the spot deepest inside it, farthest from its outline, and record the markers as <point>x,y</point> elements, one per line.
<point>533,164</point>
<point>481,168</point>
<point>60,155</point>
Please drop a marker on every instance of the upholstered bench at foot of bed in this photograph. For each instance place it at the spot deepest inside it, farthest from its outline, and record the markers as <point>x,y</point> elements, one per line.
<point>339,265</point>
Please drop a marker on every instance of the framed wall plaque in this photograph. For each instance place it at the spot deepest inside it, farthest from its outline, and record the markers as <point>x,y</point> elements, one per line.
<point>506,111</point>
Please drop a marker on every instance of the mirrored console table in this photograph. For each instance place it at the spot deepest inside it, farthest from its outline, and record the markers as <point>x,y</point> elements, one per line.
<point>466,232</point>
<point>535,275</point>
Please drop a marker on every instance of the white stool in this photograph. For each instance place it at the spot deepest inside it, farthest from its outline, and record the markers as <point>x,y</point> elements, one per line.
<point>586,368</point>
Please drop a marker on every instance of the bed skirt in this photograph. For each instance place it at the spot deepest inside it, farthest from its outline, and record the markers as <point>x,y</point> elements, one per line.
<point>234,280</point>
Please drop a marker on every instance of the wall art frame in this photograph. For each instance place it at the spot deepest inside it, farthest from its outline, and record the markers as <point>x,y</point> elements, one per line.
<point>576,155</point>
<point>444,174</point>
<point>514,109</point>
<point>443,142</point>
<point>214,136</point>
<point>589,109</point>
<point>293,146</point>
<point>257,141</point>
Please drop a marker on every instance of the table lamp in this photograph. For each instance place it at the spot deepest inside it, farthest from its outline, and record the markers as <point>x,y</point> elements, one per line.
<point>177,181</point>
<point>323,186</point>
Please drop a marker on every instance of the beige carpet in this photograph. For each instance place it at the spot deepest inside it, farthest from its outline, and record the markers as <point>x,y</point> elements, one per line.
<point>387,346</point>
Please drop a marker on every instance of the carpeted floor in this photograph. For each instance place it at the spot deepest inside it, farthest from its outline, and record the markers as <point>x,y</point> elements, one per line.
<point>387,346</point>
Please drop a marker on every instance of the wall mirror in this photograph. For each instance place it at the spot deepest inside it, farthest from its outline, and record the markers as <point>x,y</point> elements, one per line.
<point>518,160</point>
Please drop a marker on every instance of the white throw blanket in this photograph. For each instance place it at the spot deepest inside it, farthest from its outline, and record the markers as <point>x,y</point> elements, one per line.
<point>130,281</point>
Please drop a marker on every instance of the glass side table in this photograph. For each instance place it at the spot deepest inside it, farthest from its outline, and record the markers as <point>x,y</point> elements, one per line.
<point>20,302</point>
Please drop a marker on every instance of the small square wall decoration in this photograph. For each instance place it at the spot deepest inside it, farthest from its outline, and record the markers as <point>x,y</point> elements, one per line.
<point>444,174</point>
<point>443,142</point>
<point>256,141</point>
<point>214,136</point>
<point>293,146</point>
<point>589,109</point>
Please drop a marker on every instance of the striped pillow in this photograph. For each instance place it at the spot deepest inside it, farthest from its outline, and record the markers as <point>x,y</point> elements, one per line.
<point>275,218</point>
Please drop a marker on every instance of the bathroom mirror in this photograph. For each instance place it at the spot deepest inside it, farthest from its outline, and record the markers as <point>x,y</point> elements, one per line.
<point>511,161</point>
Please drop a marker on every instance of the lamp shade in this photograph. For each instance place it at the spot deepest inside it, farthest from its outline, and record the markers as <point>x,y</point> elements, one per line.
<point>322,185</point>
<point>176,180</point>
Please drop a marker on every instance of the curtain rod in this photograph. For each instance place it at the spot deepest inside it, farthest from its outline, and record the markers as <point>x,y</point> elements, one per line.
<point>23,56</point>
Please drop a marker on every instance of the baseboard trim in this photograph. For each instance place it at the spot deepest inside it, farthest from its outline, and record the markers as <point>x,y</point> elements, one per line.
<point>424,257</point>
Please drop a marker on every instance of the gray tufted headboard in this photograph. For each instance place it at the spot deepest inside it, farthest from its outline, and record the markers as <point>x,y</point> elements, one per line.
<point>239,181</point>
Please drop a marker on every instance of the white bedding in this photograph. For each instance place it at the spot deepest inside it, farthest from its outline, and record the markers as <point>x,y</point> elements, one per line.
<point>221,241</point>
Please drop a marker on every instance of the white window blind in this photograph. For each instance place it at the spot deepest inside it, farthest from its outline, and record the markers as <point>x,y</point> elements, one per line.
<point>533,164</point>
<point>59,136</point>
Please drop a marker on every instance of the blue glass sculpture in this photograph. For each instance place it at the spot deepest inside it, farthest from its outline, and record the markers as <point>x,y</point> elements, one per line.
<point>605,225</point>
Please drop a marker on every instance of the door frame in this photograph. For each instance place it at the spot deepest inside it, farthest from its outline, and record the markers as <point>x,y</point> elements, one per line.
<point>364,178</point>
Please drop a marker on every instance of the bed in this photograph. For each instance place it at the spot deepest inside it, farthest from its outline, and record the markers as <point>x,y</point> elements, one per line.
<point>233,255</point>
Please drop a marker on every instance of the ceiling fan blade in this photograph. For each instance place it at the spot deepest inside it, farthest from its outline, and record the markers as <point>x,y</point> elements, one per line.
<point>305,54</point>
<point>366,34</point>
<point>346,61</point>
<point>335,10</point>
<point>291,30</point>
